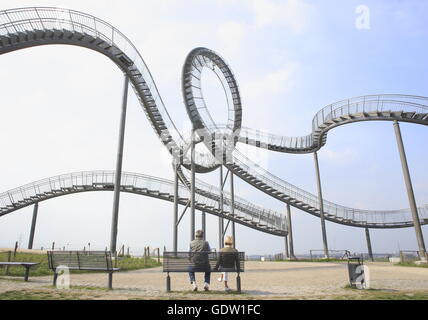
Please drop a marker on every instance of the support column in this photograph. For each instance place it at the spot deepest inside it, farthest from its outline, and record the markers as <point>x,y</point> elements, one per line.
<point>287,253</point>
<point>220,219</point>
<point>321,206</point>
<point>232,206</point>
<point>192,188</point>
<point>204,225</point>
<point>175,225</point>
<point>369,244</point>
<point>33,225</point>
<point>290,233</point>
<point>118,172</point>
<point>410,194</point>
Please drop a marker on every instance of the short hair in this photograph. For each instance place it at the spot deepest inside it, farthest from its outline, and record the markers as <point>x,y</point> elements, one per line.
<point>228,240</point>
<point>199,234</point>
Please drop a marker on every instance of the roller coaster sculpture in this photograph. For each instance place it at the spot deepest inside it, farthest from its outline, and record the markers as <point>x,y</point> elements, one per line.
<point>29,27</point>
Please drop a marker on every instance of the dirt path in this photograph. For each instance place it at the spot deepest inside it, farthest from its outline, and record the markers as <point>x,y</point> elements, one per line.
<point>261,280</point>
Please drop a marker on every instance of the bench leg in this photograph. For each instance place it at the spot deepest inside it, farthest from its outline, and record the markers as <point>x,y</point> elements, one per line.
<point>110,280</point>
<point>168,283</point>
<point>238,283</point>
<point>55,278</point>
<point>27,272</point>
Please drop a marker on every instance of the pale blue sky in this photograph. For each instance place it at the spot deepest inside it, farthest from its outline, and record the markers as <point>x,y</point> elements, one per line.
<point>291,58</point>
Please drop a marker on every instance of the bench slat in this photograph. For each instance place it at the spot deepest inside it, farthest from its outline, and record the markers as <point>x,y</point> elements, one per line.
<point>197,261</point>
<point>81,260</point>
<point>18,263</point>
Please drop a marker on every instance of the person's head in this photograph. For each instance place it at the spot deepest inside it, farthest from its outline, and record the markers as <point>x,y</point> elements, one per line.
<point>199,235</point>
<point>228,241</point>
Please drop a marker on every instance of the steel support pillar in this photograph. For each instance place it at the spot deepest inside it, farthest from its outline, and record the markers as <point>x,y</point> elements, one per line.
<point>192,187</point>
<point>220,219</point>
<point>410,194</point>
<point>321,206</point>
<point>290,233</point>
<point>33,225</point>
<point>287,252</point>
<point>175,223</point>
<point>369,244</point>
<point>204,224</point>
<point>232,206</point>
<point>118,172</point>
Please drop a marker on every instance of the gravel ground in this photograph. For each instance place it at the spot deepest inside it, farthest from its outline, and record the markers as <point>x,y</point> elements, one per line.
<point>261,280</point>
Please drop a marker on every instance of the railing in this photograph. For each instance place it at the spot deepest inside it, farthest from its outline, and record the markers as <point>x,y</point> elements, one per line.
<point>409,256</point>
<point>359,216</point>
<point>350,107</point>
<point>15,21</point>
<point>256,212</point>
<point>49,18</point>
<point>376,103</point>
<point>92,179</point>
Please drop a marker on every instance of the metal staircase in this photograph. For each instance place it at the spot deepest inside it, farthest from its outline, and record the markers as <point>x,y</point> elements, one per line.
<point>28,27</point>
<point>246,213</point>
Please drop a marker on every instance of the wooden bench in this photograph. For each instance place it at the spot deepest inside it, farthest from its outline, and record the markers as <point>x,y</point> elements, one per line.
<point>26,265</point>
<point>82,260</point>
<point>191,262</point>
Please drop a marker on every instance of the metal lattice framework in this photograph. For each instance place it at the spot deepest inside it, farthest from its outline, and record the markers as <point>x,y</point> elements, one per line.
<point>207,198</point>
<point>28,27</point>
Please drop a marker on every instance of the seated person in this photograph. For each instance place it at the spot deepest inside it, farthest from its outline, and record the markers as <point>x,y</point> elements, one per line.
<point>228,259</point>
<point>198,256</point>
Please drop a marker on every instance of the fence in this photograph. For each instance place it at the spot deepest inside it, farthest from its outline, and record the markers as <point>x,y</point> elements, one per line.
<point>409,256</point>
<point>332,254</point>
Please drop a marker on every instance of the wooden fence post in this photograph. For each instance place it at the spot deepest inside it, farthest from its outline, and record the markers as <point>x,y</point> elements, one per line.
<point>14,251</point>
<point>9,256</point>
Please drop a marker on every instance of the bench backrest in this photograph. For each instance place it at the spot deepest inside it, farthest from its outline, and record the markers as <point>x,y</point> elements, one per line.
<point>101,260</point>
<point>203,261</point>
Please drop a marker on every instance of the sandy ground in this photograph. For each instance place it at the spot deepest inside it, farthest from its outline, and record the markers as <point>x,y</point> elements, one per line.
<point>261,280</point>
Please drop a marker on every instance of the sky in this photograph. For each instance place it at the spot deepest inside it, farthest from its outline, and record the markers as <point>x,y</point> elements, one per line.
<point>61,108</point>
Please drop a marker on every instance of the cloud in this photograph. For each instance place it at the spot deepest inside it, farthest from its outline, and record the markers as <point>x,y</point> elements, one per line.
<point>273,83</point>
<point>340,157</point>
<point>293,13</point>
<point>230,36</point>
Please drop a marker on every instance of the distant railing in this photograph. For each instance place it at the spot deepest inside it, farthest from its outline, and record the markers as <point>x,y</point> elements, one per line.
<point>103,178</point>
<point>409,256</point>
<point>15,21</point>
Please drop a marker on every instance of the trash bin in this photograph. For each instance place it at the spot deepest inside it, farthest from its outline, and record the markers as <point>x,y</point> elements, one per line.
<point>356,272</point>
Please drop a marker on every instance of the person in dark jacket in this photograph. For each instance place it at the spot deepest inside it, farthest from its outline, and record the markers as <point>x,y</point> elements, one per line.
<point>228,259</point>
<point>199,250</point>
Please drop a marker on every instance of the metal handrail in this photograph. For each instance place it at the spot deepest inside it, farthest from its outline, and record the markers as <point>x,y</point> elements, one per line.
<point>60,183</point>
<point>15,21</point>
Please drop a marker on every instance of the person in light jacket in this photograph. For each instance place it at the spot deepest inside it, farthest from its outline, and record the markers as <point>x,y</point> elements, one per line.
<point>228,259</point>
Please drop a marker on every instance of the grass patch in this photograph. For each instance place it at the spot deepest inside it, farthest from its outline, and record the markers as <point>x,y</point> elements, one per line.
<point>39,295</point>
<point>313,260</point>
<point>379,294</point>
<point>124,263</point>
<point>411,264</point>
<point>129,263</point>
<point>349,287</point>
<point>90,288</point>
<point>216,292</point>
<point>376,294</point>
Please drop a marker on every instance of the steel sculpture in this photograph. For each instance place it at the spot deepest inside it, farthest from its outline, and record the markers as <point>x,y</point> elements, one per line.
<point>29,27</point>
